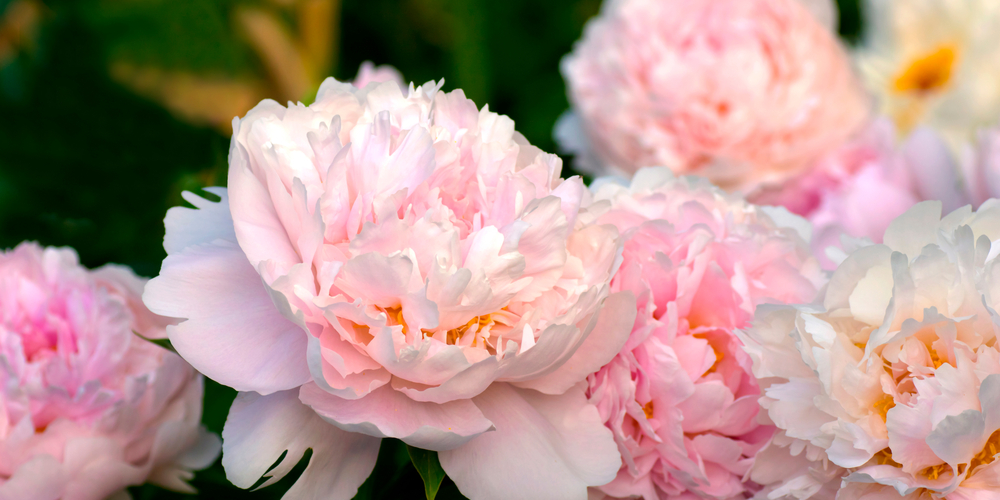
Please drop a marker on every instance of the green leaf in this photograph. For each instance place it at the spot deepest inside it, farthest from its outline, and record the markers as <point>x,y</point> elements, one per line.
<point>164,343</point>
<point>427,464</point>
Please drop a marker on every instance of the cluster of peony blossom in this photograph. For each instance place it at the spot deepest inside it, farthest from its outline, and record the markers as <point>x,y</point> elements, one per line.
<point>394,262</point>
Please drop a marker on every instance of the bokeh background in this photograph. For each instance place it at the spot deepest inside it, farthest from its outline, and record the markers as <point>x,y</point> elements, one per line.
<point>109,109</point>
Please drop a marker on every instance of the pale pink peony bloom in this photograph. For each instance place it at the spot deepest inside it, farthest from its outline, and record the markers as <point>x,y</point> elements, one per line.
<point>680,397</point>
<point>398,265</point>
<point>88,408</point>
<point>369,72</point>
<point>740,91</point>
<point>893,376</point>
<point>860,187</point>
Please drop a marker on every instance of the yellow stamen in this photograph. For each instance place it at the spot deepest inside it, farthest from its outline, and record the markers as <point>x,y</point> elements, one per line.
<point>927,73</point>
<point>935,471</point>
<point>990,450</point>
<point>883,405</point>
<point>648,410</point>
<point>884,457</point>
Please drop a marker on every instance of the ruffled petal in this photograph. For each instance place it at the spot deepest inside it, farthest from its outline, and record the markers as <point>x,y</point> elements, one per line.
<point>260,428</point>
<point>606,339</point>
<point>544,447</point>
<point>386,412</point>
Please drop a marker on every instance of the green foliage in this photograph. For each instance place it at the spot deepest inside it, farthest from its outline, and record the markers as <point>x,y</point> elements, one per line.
<point>427,465</point>
<point>164,343</point>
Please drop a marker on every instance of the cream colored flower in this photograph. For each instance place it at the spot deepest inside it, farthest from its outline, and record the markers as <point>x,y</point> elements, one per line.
<point>892,378</point>
<point>935,62</point>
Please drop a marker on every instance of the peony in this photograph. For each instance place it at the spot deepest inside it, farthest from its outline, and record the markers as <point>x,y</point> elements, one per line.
<point>740,91</point>
<point>369,72</point>
<point>87,407</point>
<point>860,187</point>
<point>935,63</point>
<point>892,379</point>
<point>680,398</point>
<point>398,265</point>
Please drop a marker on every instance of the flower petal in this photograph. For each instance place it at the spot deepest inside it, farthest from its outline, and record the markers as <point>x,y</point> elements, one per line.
<point>386,412</point>
<point>233,334</point>
<point>609,334</point>
<point>260,428</point>
<point>544,447</point>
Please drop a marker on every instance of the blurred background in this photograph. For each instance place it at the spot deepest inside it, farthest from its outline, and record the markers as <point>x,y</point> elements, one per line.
<point>110,108</point>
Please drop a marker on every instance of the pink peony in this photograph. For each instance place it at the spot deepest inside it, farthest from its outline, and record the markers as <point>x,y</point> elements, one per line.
<point>88,408</point>
<point>398,265</point>
<point>860,187</point>
<point>680,397</point>
<point>739,91</point>
<point>892,379</point>
<point>369,72</point>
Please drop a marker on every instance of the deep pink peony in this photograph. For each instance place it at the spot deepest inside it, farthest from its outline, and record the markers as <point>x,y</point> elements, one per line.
<point>398,265</point>
<point>860,187</point>
<point>680,397</point>
<point>739,91</point>
<point>87,407</point>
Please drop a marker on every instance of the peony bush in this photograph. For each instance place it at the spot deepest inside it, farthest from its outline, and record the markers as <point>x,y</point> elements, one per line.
<point>87,407</point>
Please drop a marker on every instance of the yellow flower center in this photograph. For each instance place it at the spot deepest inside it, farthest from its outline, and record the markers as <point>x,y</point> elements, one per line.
<point>454,335</point>
<point>648,410</point>
<point>935,471</point>
<point>882,406</point>
<point>990,450</point>
<point>927,73</point>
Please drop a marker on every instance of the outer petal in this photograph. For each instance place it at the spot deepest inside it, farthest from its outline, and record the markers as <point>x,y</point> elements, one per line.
<point>188,227</point>
<point>545,447</point>
<point>260,428</point>
<point>233,334</point>
<point>614,324</point>
<point>386,412</point>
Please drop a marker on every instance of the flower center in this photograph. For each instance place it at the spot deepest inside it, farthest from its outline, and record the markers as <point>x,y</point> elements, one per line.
<point>478,326</point>
<point>927,73</point>
<point>474,325</point>
<point>648,410</point>
<point>882,406</point>
<point>935,471</point>
<point>715,349</point>
<point>989,453</point>
<point>884,457</point>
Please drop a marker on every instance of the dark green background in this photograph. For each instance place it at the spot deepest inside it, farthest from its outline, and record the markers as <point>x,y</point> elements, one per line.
<point>88,164</point>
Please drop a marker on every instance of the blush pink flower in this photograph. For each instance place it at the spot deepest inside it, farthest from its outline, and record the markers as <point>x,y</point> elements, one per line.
<point>398,265</point>
<point>369,72</point>
<point>87,408</point>
<point>739,91</point>
<point>860,187</point>
<point>893,377</point>
<point>680,398</point>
